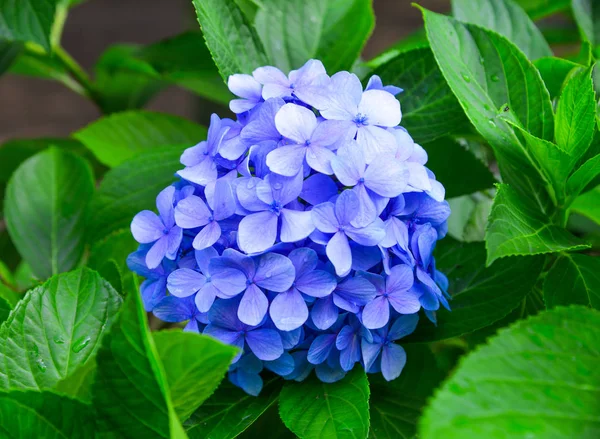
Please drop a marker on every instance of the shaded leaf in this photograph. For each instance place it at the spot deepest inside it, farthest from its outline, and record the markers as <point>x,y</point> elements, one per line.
<point>537,378</point>
<point>554,72</point>
<point>46,202</point>
<point>54,329</point>
<point>515,228</point>
<point>587,15</point>
<point>28,20</point>
<point>573,279</point>
<point>507,18</point>
<point>9,51</point>
<point>79,383</point>
<point>583,176</point>
<point>588,205</point>
<point>429,108</point>
<point>480,295</point>
<point>469,217</point>
<point>313,409</point>
<point>116,138</point>
<point>230,411</point>
<point>108,256</point>
<point>5,307</point>
<point>538,9</point>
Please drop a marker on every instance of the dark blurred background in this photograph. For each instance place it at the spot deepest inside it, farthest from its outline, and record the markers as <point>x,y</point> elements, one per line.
<point>34,107</point>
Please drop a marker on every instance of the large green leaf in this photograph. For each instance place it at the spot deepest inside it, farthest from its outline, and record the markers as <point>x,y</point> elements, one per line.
<point>313,409</point>
<point>469,217</point>
<point>576,115</point>
<point>130,392</point>
<point>583,176</point>
<point>516,228</point>
<point>487,73</point>
<point>554,72</point>
<point>56,328</point>
<point>396,406</point>
<point>28,20</point>
<point>232,41</point>
<point>333,31</point>
<point>130,188</point>
<point>45,207</point>
<point>480,296</point>
<point>116,138</point>
<point>44,415</point>
<point>458,169</point>
<point>508,19</point>
<point>108,256</point>
<point>587,15</point>
<point>230,411</point>
<point>539,378</point>
<point>542,8</point>
<point>573,279</point>
<point>194,366</point>
<point>588,205</point>
<point>429,109</point>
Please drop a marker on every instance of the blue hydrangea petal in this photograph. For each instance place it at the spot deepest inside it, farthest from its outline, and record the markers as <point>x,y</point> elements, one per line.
<point>147,227</point>
<point>324,313</point>
<point>208,236</point>
<point>265,344</point>
<point>370,235</point>
<point>192,212</point>
<point>295,225</point>
<point>318,189</point>
<point>320,348</point>
<point>324,218</point>
<point>287,160</point>
<point>316,283</point>
<point>173,309</point>
<point>296,123</point>
<point>393,359</point>
<point>374,141</point>
<point>185,282</point>
<point>153,291</point>
<point>253,306</point>
<point>386,176</point>
<point>339,253</point>
<point>376,313</point>
<point>288,310</point>
<point>164,204</point>
<point>274,272</point>
<point>403,326</point>
<point>257,232</point>
<point>157,252</point>
<point>206,297</point>
<point>282,366</point>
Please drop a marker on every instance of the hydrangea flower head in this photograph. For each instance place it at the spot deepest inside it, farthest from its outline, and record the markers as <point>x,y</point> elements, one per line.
<point>302,233</point>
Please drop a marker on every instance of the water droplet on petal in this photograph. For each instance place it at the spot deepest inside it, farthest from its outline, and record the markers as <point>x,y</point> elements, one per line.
<point>277,186</point>
<point>41,365</point>
<point>495,78</point>
<point>251,184</point>
<point>466,77</point>
<point>80,344</point>
<point>269,274</point>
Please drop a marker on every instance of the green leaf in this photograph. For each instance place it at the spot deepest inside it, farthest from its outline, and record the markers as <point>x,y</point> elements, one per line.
<point>538,378</point>
<point>130,392</point>
<point>28,20</point>
<point>9,51</point>
<point>515,228</point>
<point>55,329</point>
<point>44,415</point>
<point>508,19</point>
<point>554,72</point>
<point>313,409</point>
<point>480,296</point>
<point>469,217</point>
<point>429,108</point>
<point>396,406</point>
<point>587,15</point>
<point>588,205</point>
<point>108,256</point>
<point>583,176</point>
<point>116,138</point>
<point>487,73</point>
<point>233,43</point>
<point>79,383</point>
<point>460,171</point>
<point>576,115</point>
<point>230,411</point>
<point>130,188</point>
<point>573,279</point>
<point>46,202</point>
<point>538,9</point>
<point>5,307</point>
<point>194,366</point>
<point>333,31</point>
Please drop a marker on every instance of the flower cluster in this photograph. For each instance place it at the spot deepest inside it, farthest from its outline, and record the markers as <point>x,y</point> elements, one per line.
<point>302,232</point>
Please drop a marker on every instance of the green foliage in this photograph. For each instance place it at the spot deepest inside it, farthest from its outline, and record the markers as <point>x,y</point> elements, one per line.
<point>313,409</point>
<point>28,20</point>
<point>55,329</point>
<point>538,9</point>
<point>516,228</point>
<point>46,202</point>
<point>554,72</point>
<point>508,19</point>
<point>573,279</point>
<point>121,136</point>
<point>429,109</point>
<point>587,14</point>
<point>538,377</point>
<point>294,31</point>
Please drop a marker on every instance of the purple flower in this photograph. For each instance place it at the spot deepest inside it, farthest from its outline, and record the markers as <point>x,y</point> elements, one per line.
<point>337,219</point>
<point>311,140</point>
<point>393,290</point>
<point>348,342</point>
<point>245,374</point>
<point>349,295</point>
<point>375,83</point>
<point>373,184</point>
<point>225,326</point>
<point>382,353</point>
<point>199,160</point>
<point>269,198</point>
<point>247,88</point>
<point>288,310</point>
<point>367,115</point>
<point>193,212</point>
<point>261,126</point>
<point>173,309</point>
<point>234,273</point>
<point>154,288</point>
<point>307,83</point>
<point>148,228</point>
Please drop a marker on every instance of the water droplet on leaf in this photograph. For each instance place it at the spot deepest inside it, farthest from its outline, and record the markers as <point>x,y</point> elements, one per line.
<point>495,78</point>
<point>58,339</point>
<point>466,77</point>
<point>492,123</point>
<point>41,365</point>
<point>80,344</point>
